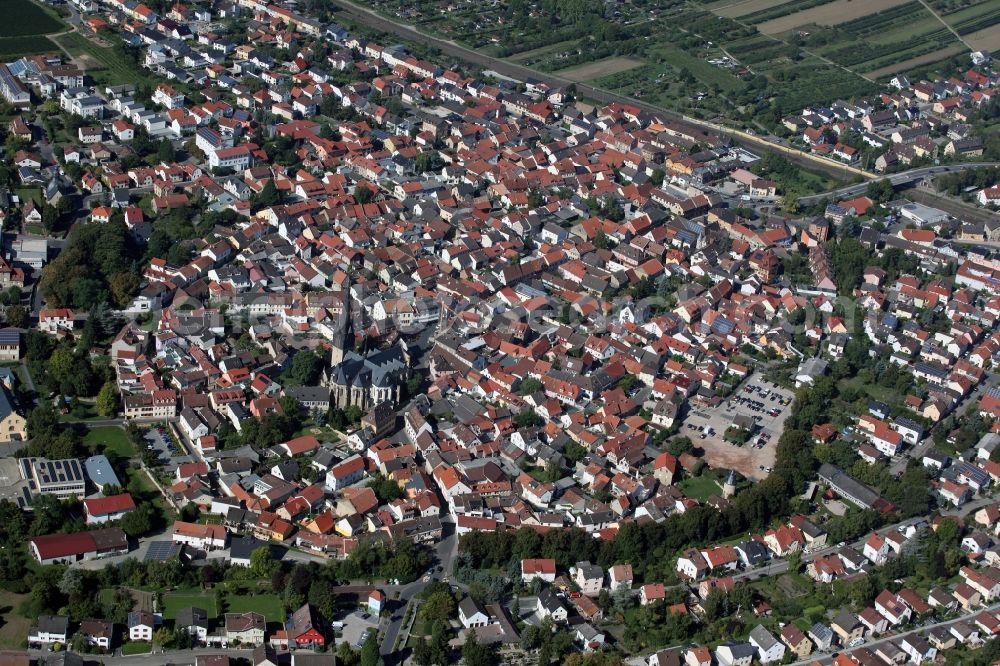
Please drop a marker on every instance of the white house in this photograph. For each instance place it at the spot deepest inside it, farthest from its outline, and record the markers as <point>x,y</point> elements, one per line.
<point>97,632</point>
<point>471,615</point>
<point>892,608</point>
<point>544,569</point>
<point>200,537</point>
<point>876,549</point>
<point>103,509</point>
<point>194,621</point>
<point>769,648</point>
<point>49,629</point>
<point>549,606</point>
<point>141,626</point>
<point>54,320</point>
<point>989,196</point>
<point>620,575</point>
<point>589,578</point>
<point>345,473</point>
<point>735,654</point>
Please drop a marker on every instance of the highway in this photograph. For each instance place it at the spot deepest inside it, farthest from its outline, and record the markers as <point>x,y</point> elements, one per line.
<point>897,179</point>
<point>372,19</point>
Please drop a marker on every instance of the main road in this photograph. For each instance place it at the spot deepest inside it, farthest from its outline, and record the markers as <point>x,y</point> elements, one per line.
<point>366,16</point>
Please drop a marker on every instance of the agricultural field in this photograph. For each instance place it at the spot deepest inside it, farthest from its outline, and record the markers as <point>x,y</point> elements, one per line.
<point>826,13</point>
<point>23,17</point>
<point>24,27</point>
<point>744,7</point>
<point>599,68</point>
<point>988,39</point>
<point>973,18</point>
<point>871,39</point>
<point>913,63</point>
<point>104,64</point>
<point>15,47</point>
<point>746,60</point>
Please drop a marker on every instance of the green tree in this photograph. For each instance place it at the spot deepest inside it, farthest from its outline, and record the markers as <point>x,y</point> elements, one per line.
<point>439,606</point>
<point>369,651</point>
<point>530,386</point>
<point>363,194</point>
<point>268,196</point>
<point>261,562</point>
<point>385,489</point>
<point>474,654</point>
<point>422,652</point>
<point>138,522</point>
<point>17,316</point>
<point>305,368</point>
<point>107,400</point>
<point>165,152</point>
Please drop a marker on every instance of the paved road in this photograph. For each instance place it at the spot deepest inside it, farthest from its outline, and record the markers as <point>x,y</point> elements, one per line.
<point>98,423</point>
<point>872,645</point>
<point>897,179</point>
<point>775,567</point>
<point>160,658</point>
<point>369,17</point>
<point>446,550</point>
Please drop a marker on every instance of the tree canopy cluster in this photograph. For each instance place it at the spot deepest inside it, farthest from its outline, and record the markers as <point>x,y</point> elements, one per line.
<point>98,265</point>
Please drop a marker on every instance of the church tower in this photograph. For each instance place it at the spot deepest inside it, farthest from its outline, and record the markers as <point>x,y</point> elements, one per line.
<point>729,487</point>
<point>344,335</point>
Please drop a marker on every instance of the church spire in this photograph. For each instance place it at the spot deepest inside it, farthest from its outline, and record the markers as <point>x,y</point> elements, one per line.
<point>343,336</point>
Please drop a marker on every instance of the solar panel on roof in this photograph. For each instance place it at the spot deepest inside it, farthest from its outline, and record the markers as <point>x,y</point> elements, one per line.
<point>162,550</point>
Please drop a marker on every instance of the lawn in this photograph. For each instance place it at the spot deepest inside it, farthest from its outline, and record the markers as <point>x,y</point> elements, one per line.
<point>109,438</point>
<point>322,433</point>
<point>268,605</point>
<point>136,647</point>
<point>700,487</point>
<point>84,411</point>
<point>25,193</point>
<point>174,601</point>
<point>13,628</point>
<point>23,17</point>
<point>149,491</point>
<point>874,391</point>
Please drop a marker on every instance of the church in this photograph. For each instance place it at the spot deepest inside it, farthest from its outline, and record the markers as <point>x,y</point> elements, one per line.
<point>365,381</point>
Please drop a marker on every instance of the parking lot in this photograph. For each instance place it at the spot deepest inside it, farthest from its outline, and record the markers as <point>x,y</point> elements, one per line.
<point>158,441</point>
<point>759,403</point>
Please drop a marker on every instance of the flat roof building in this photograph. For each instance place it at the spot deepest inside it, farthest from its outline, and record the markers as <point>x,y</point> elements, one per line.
<point>61,478</point>
<point>100,472</point>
